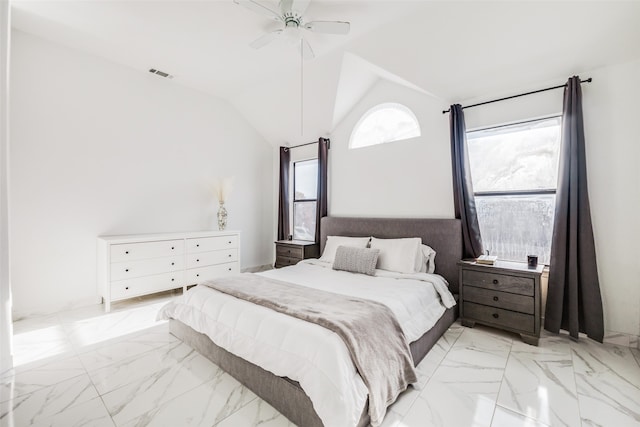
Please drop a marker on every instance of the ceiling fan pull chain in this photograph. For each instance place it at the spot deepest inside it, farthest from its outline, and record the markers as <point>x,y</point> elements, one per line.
<point>301,89</point>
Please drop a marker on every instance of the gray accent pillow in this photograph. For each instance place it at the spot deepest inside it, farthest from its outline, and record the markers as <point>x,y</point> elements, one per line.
<point>356,260</point>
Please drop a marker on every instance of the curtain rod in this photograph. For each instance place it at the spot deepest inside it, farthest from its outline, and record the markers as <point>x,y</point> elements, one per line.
<point>589,80</point>
<point>308,143</point>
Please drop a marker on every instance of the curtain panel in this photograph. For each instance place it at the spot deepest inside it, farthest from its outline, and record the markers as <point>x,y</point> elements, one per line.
<point>284,228</point>
<point>463,198</point>
<point>321,205</point>
<point>574,302</point>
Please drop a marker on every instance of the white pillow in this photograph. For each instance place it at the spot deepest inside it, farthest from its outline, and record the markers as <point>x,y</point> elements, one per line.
<point>426,259</point>
<point>330,248</point>
<point>397,254</point>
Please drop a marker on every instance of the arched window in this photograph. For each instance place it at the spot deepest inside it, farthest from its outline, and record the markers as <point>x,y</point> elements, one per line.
<point>384,123</point>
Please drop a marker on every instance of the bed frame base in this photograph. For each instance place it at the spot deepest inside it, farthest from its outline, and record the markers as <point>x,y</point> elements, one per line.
<point>283,393</point>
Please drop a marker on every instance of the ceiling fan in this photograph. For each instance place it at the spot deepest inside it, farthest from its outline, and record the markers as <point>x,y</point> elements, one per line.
<point>290,15</point>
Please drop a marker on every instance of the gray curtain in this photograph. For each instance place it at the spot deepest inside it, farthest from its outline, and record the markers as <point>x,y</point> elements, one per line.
<point>321,205</point>
<point>283,199</point>
<point>573,298</point>
<point>463,199</point>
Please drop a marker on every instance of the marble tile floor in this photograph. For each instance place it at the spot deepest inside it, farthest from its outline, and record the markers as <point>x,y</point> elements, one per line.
<point>87,368</point>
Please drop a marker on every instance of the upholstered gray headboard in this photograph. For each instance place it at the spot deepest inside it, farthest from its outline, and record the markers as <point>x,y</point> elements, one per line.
<point>443,235</point>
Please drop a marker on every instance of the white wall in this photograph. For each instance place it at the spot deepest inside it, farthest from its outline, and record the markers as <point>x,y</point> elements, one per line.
<point>410,178</point>
<point>99,148</point>
<point>5,284</point>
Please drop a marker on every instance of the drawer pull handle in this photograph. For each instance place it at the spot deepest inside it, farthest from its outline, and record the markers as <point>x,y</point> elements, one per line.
<point>172,279</point>
<point>126,252</point>
<point>229,241</point>
<point>197,275</point>
<point>197,246</point>
<point>229,255</point>
<point>173,263</point>
<point>197,260</point>
<point>496,315</point>
<point>127,288</point>
<point>495,298</point>
<point>229,268</point>
<point>126,270</point>
<point>172,248</point>
<point>495,281</point>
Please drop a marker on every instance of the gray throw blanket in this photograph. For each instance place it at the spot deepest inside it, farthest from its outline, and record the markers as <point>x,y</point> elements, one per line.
<point>377,344</point>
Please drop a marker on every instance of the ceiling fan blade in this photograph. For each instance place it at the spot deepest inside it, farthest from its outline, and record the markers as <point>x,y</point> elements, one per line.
<point>328,27</point>
<point>265,40</point>
<point>307,52</point>
<point>299,6</point>
<point>260,9</point>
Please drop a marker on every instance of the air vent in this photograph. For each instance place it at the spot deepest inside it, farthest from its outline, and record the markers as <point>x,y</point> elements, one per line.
<point>160,73</point>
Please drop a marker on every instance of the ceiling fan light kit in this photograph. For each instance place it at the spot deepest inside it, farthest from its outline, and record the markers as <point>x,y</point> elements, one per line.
<point>291,17</point>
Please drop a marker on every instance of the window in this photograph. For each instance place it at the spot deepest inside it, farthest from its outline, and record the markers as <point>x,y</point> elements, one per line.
<point>384,123</point>
<point>514,170</point>
<point>305,194</point>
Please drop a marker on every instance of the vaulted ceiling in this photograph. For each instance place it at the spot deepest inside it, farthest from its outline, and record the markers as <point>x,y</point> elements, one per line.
<point>451,50</point>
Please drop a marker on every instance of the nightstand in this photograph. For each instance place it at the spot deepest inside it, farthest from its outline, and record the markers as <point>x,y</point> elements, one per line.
<point>290,252</point>
<point>505,295</point>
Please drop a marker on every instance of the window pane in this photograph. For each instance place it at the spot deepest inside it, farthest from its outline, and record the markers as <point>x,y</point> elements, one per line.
<point>304,221</point>
<point>513,227</point>
<point>384,123</point>
<point>306,179</point>
<point>517,157</point>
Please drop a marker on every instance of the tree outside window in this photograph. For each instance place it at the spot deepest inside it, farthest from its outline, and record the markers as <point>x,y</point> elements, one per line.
<point>305,189</point>
<point>514,170</point>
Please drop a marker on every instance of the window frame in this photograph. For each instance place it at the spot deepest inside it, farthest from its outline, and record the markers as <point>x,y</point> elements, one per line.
<point>503,193</point>
<point>375,109</point>
<point>295,200</point>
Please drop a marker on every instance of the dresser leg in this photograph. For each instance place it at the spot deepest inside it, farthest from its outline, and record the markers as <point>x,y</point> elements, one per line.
<point>530,339</point>
<point>107,306</point>
<point>468,323</point>
<point>184,289</point>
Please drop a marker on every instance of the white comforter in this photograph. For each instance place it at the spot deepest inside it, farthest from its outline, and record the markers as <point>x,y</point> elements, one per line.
<point>305,352</point>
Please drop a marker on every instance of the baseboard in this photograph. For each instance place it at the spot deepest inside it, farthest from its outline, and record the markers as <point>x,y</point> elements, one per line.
<point>257,268</point>
<point>620,338</point>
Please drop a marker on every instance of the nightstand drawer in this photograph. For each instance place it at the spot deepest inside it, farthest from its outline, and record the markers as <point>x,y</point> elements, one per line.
<point>283,261</point>
<point>499,317</point>
<point>289,252</point>
<point>498,282</point>
<point>521,303</point>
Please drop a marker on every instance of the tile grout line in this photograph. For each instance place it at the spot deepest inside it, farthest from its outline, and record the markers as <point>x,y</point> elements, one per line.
<point>504,372</point>
<point>575,381</point>
<point>431,376</point>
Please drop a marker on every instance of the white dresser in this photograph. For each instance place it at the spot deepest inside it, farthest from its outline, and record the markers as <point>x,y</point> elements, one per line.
<point>134,265</point>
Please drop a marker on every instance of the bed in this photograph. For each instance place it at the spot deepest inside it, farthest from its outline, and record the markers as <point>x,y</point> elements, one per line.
<point>287,395</point>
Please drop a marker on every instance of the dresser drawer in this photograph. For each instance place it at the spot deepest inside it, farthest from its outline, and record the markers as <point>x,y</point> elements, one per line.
<point>199,275</point>
<point>205,244</point>
<point>135,251</point>
<point>521,303</point>
<point>130,269</point>
<point>146,285</point>
<point>498,282</point>
<point>283,261</point>
<point>290,252</point>
<point>499,317</point>
<point>211,258</point>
